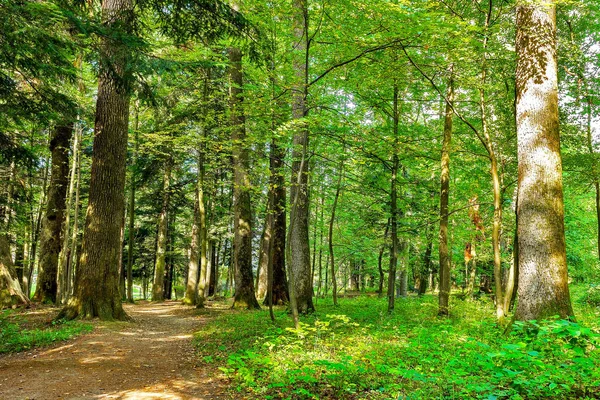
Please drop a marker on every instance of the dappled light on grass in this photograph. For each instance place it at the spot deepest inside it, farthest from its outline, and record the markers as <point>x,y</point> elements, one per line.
<point>357,350</point>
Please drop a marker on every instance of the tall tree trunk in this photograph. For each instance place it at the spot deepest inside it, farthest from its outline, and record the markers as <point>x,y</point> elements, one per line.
<point>543,282</point>
<point>244,282</point>
<point>62,293</point>
<point>299,260</point>
<point>158,293</point>
<point>50,241</point>
<point>338,189</point>
<point>444,255</point>
<point>280,282</point>
<point>97,278</point>
<point>133,183</point>
<point>391,293</point>
<point>191,290</point>
<point>73,256</point>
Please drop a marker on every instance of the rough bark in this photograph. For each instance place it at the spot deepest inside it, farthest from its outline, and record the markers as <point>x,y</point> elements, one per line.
<point>242,260</point>
<point>191,287</point>
<point>97,278</point>
<point>444,256</point>
<point>262,275</point>
<point>51,233</point>
<point>10,290</point>
<point>158,293</point>
<point>543,289</point>
<point>280,282</point>
<point>299,260</point>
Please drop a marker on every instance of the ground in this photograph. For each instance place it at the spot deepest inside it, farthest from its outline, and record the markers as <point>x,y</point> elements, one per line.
<point>150,358</point>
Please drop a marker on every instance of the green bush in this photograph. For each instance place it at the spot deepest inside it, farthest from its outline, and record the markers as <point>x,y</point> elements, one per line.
<point>592,296</point>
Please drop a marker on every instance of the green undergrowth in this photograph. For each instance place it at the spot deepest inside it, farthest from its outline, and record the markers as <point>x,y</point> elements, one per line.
<point>358,351</point>
<point>17,333</point>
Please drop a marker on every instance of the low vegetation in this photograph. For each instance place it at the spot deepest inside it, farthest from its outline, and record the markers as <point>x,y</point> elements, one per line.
<point>357,351</point>
<point>18,332</point>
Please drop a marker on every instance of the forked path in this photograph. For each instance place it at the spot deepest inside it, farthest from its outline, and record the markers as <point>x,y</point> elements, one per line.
<point>150,358</point>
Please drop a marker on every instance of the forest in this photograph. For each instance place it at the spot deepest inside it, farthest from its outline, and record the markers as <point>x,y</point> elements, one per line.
<point>300,199</point>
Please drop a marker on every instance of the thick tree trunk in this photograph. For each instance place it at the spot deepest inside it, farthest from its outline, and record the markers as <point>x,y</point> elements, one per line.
<point>543,283</point>
<point>444,255</point>
<point>280,282</point>
<point>50,241</point>
<point>97,278</point>
<point>299,260</point>
<point>158,293</point>
<point>10,290</point>
<point>244,282</point>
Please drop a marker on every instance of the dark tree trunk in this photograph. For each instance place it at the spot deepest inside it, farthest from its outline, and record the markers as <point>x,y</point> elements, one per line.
<point>50,240</point>
<point>543,289</point>
<point>242,260</point>
<point>97,278</point>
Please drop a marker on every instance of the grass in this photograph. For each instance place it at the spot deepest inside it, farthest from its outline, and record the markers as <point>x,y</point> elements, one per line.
<point>358,351</point>
<point>20,332</point>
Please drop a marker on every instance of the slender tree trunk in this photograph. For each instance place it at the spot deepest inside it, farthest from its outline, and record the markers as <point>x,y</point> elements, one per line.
<point>391,293</point>
<point>62,293</point>
<point>161,247</point>
<point>338,188</point>
<point>244,282</point>
<point>50,241</point>
<point>321,245</point>
<point>262,275</point>
<point>97,279</point>
<point>73,256</point>
<point>543,282</point>
<point>131,234</point>
<point>380,258</point>
<point>299,259</point>
<point>191,288</point>
<point>444,255</point>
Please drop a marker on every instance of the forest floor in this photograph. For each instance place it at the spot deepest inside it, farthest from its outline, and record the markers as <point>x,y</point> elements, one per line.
<point>152,357</point>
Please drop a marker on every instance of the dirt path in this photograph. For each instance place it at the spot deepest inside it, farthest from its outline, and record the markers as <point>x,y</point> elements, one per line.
<point>151,358</point>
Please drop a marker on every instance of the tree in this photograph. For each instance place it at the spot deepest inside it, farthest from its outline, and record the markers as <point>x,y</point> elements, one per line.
<point>445,259</point>
<point>543,284</point>
<point>97,278</point>
<point>299,251</point>
<point>51,241</point>
<point>242,212</point>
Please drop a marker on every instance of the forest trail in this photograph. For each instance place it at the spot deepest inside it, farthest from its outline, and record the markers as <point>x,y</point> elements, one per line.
<point>150,358</point>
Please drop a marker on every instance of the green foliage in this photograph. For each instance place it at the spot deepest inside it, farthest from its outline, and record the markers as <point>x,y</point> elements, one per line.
<point>358,351</point>
<point>591,296</point>
<point>14,337</point>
